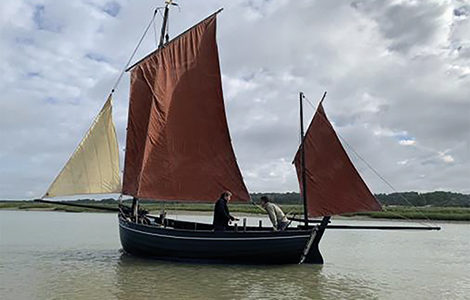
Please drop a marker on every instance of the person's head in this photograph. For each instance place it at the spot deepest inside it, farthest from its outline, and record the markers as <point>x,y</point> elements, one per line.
<point>226,195</point>
<point>264,200</point>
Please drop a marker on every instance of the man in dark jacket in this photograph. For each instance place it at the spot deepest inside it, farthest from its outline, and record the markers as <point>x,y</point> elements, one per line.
<point>221,214</point>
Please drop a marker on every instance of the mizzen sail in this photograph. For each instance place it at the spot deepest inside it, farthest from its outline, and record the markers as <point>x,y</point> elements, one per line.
<point>94,166</point>
<point>178,144</point>
<point>333,184</point>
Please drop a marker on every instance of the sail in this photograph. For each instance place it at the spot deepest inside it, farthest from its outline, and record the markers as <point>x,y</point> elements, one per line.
<point>94,166</point>
<point>178,145</point>
<point>333,184</point>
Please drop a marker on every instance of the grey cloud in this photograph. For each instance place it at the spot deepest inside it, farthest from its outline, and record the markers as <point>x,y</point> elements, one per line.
<point>462,11</point>
<point>112,8</point>
<point>43,21</point>
<point>407,24</point>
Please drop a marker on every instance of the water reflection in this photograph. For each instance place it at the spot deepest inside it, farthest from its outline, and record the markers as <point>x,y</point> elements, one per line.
<point>137,277</point>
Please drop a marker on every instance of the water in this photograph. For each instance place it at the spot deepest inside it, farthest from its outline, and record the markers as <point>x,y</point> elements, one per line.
<point>54,255</point>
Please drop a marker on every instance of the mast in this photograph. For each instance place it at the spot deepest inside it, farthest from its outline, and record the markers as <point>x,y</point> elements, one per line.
<point>164,31</point>
<point>163,36</point>
<point>302,153</point>
<point>326,219</point>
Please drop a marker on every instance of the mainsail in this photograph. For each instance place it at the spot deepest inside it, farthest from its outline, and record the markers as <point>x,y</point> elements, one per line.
<point>178,144</point>
<point>333,184</point>
<point>94,166</point>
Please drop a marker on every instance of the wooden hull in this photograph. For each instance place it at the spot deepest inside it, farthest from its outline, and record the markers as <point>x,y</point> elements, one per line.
<point>255,247</point>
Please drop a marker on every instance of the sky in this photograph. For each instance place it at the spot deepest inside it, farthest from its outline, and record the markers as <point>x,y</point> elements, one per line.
<point>397,75</point>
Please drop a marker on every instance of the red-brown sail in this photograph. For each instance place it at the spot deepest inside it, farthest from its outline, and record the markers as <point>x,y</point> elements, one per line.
<point>178,144</point>
<point>333,184</point>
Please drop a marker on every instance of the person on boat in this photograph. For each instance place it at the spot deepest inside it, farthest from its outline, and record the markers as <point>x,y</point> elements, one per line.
<point>221,213</point>
<point>275,213</point>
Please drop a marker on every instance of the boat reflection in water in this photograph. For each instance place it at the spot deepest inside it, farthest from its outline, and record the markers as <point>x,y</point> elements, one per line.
<point>137,277</point>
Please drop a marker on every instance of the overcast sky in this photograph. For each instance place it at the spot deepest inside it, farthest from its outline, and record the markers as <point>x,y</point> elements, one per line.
<point>397,75</point>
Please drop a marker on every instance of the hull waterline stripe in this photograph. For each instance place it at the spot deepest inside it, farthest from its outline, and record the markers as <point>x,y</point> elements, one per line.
<point>218,239</point>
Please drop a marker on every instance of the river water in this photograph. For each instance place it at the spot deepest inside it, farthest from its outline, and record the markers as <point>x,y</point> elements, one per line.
<point>55,255</point>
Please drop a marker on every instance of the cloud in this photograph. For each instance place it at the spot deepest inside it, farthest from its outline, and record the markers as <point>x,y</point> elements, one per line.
<point>112,8</point>
<point>396,73</point>
<point>407,142</point>
<point>446,157</point>
<point>409,25</point>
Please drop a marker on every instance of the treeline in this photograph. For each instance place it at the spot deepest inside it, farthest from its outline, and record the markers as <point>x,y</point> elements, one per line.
<point>441,199</point>
<point>438,199</point>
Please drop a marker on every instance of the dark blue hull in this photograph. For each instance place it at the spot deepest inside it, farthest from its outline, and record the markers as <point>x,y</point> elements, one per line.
<point>251,246</point>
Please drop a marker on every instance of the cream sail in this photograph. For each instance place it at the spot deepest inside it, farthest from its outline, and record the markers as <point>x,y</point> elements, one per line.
<point>94,166</point>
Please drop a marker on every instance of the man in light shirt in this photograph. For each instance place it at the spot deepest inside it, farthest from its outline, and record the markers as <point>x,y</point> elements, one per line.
<point>276,215</point>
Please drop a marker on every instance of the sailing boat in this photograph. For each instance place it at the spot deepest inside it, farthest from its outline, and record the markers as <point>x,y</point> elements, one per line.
<point>178,148</point>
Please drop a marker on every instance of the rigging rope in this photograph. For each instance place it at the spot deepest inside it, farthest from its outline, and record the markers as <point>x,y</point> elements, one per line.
<point>135,49</point>
<point>382,178</point>
<point>152,21</point>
